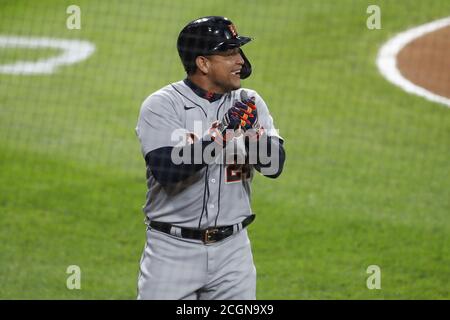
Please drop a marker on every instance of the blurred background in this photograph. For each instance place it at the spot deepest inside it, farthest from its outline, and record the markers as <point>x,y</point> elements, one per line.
<point>366,180</point>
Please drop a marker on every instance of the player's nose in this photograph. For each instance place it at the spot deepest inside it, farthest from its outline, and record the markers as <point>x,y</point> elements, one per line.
<point>240,60</point>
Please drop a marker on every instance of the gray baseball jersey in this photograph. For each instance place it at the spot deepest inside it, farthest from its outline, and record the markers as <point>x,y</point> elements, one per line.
<point>217,195</point>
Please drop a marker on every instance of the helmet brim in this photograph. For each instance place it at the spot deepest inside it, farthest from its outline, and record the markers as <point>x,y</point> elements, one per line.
<point>237,42</point>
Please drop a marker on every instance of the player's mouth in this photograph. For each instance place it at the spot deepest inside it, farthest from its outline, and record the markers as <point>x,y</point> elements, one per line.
<point>236,73</point>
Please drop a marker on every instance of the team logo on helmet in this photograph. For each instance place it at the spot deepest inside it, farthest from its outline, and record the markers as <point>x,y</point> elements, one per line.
<point>233,30</point>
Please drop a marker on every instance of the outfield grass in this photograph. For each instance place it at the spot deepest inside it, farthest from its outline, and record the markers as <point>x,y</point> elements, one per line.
<point>365,183</point>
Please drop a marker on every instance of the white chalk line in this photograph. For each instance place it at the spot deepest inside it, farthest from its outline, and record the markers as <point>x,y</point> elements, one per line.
<point>73,51</point>
<point>387,60</point>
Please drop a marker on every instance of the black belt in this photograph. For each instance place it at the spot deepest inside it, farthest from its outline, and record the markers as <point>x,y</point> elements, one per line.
<point>208,235</point>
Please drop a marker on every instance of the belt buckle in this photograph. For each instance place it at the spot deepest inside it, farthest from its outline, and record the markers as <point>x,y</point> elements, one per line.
<point>208,234</point>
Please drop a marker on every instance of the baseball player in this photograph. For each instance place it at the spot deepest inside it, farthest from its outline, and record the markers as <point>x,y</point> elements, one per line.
<point>202,139</point>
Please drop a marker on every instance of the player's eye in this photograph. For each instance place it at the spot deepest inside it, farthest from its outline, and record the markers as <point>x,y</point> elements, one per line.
<point>235,51</point>
<point>232,52</point>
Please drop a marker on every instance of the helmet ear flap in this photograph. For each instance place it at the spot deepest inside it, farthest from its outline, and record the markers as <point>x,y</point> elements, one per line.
<point>246,70</point>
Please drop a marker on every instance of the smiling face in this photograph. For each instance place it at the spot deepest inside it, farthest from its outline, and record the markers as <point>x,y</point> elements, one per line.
<point>223,70</point>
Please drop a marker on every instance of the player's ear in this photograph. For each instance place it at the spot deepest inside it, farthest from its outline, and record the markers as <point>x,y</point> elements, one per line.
<point>203,64</point>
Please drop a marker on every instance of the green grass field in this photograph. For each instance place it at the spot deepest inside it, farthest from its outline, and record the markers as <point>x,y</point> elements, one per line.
<point>366,180</point>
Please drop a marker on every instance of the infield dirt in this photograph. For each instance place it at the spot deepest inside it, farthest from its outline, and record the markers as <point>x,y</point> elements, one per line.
<point>426,61</point>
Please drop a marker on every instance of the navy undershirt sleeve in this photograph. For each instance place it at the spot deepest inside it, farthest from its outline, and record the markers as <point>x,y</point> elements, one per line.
<point>165,171</point>
<point>274,148</point>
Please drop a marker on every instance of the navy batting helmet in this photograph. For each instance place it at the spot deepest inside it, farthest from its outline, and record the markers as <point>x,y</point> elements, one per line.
<point>206,36</point>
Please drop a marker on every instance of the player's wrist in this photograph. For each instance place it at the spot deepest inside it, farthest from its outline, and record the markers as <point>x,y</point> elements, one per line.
<point>221,132</point>
<point>216,133</point>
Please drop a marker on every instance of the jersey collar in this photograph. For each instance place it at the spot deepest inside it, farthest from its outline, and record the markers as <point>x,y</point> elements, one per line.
<point>208,95</point>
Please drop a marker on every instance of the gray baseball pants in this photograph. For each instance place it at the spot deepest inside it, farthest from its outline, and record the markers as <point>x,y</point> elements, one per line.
<point>173,268</point>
